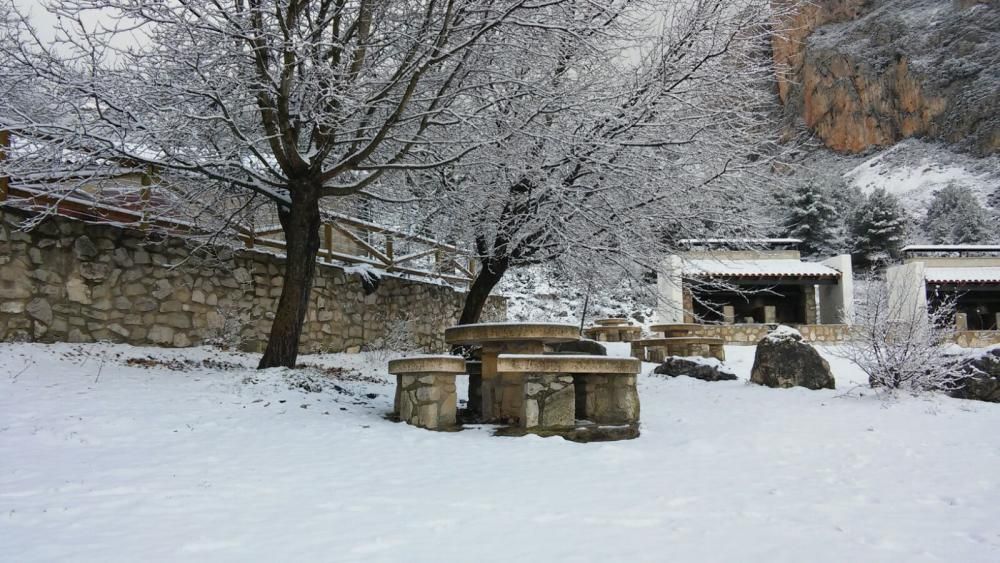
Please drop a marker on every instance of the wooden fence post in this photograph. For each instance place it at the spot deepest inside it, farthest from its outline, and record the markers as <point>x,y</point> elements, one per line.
<point>388,250</point>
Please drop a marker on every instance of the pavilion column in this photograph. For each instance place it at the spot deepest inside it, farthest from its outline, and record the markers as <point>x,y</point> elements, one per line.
<point>809,303</point>
<point>688,306</point>
<point>728,314</point>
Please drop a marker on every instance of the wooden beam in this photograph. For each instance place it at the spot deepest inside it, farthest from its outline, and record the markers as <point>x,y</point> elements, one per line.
<point>364,244</point>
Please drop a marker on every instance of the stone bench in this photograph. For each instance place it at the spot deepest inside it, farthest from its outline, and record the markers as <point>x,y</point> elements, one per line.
<point>554,391</point>
<point>613,333</point>
<point>657,349</point>
<point>425,390</point>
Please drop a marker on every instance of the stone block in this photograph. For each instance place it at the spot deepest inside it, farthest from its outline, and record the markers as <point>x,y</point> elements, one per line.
<point>78,291</point>
<point>549,402</point>
<point>41,310</point>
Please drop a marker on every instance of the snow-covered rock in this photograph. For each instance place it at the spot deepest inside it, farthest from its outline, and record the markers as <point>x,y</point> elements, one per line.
<point>784,360</point>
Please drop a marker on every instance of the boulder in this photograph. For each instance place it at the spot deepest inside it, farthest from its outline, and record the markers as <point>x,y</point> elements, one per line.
<point>784,360</point>
<point>983,380</point>
<point>582,346</point>
<point>705,369</point>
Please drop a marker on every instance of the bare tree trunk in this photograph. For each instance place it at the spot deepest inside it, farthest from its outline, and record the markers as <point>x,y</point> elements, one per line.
<point>301,224</point>
<point>488,277</point>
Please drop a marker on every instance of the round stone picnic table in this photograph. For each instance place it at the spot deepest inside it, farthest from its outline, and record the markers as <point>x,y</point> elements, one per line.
<point>676,329</point>
<point>502,398</point>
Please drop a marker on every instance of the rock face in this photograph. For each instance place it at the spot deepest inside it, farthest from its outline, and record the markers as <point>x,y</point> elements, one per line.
<point>704,370</point>
<point>784,360</point>
<point>983,382</point>
<point>870,73</point>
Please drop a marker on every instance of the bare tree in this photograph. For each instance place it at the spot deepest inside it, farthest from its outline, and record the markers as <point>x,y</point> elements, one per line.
<point>281,101</point>
<point>616,145</point>
<point>900,343</point>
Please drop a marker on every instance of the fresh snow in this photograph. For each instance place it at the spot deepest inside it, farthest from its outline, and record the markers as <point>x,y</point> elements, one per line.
<point>784,332</point>
<point>759,267</point>
<point>211,460</point>
<point>962,275</point>
<point>914,170</point>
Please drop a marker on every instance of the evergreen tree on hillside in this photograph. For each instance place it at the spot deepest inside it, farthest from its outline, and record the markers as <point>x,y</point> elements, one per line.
<point>955,216</point>
<point>878,229</point>
<point>811,217</point>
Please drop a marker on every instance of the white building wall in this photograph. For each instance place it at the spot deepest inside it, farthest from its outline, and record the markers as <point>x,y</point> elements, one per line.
<point>907,290</point>
<point>670,292</point>
<point>836,302</point>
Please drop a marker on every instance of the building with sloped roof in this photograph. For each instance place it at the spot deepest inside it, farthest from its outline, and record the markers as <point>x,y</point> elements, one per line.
<point>753,281</point>
<point>967,274</point>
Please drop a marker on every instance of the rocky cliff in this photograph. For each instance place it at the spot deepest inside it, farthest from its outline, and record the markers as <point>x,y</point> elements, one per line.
<point>868,73</point>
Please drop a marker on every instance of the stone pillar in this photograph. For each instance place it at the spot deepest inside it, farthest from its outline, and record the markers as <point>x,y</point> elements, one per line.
<point>809,304</point>
<point>996,325</point>
<point>770,314</point>
<point>399,390</point>
<point>728,314</point>
<point>607,398</point>
<point>475,370</point>
<point>502,393</point>
<point>549,402</point>
<point>638,350</point>
<point>961,321</point>
<point>428,400</point>
<point>669,301</point>
<point>688,306</point>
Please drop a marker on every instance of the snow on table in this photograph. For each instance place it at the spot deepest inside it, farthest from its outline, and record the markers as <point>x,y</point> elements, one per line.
<point>102,461</point>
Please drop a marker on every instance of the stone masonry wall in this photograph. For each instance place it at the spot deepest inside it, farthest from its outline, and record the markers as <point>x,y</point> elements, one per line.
<point>67,281</point>
<point>751,334</point>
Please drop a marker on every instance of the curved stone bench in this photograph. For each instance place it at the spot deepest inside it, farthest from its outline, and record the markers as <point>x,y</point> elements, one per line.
<point>554,391</point>
<point>425,389</point>
<point>657,349</point>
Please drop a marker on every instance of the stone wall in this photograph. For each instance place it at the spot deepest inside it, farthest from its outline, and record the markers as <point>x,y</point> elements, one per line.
<point>751,334</point>
<point>69,281</point>
<point>977,338</point>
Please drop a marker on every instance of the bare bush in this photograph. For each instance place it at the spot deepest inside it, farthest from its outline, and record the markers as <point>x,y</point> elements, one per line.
<point>903,344</point>
<point>397,337</point>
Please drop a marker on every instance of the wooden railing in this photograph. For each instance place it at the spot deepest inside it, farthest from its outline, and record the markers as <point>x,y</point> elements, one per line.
<point>344,239</point>
<point>353,241</point>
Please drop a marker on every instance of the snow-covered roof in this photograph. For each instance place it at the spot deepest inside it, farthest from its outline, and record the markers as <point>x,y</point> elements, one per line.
<point>952,248</point>
<point>761,268</point>
<point>963,275</point>
<point>740,241</point>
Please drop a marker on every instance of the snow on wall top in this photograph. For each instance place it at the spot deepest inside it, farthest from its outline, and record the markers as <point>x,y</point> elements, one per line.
<point>963,275</point>
<point>757,268</point>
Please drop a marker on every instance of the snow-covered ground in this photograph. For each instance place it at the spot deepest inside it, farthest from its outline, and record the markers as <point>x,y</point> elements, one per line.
<point>105,459</point>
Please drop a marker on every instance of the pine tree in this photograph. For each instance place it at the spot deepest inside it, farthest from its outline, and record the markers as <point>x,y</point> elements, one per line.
<point>878,229</point>
<point>812,218</point>
<point>955,216</point>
